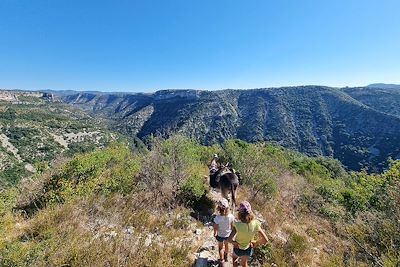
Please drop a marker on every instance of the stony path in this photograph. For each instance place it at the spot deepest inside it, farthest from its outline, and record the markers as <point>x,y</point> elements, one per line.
<point>207,255</point>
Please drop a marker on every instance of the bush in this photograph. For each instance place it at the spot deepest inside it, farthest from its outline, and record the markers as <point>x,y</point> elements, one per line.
<point>108,170</point>
<point>262,254</point>
<point>296,244</point>
<point>20,254</point>
<point>11,176</point>
<point>310,169</point>
<point>122,177</point>
<point>192,190</point>
<point>353,201</point>
<point>260,165</point>
<point>334,167</point>
<point>171,166</point>
<point>7,200</point>
<point>333,212</point>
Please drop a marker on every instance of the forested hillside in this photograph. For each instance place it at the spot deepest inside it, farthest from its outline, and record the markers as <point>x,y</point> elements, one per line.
<point>385,99</point>
<point>362,132</point>
<point>117,207</point>
<point>35,131</point>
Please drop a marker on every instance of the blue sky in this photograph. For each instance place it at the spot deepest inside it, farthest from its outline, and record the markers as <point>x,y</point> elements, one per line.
<point>202,44</point>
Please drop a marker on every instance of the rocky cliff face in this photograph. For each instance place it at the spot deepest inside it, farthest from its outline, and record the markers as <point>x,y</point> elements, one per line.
<point>342,123</point>
<point>18,97</point>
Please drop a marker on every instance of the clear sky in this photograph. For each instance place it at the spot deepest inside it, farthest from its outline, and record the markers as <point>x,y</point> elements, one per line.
<point>202,44</point>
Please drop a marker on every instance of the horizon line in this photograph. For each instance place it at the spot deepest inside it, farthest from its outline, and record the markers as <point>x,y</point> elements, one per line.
<point>193,89</point>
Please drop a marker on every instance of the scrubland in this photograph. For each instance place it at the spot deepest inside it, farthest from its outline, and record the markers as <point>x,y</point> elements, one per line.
<point>124,206</point>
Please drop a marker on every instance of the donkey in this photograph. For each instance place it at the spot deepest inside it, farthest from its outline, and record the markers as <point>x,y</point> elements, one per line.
<point>227,181</point>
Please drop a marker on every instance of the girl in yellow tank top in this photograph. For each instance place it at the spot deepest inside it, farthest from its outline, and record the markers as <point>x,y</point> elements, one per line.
<point>243,233</point>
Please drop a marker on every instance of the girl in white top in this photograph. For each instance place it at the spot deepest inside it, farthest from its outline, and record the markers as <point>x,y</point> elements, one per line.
<point>222,229</point>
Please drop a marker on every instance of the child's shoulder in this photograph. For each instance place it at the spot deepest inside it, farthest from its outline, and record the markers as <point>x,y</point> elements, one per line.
<point>223,216</point>
<point>218,218</point>
<point>256,223</point>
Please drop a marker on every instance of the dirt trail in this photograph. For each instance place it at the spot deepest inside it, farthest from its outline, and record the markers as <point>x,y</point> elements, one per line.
<point>207,254</point>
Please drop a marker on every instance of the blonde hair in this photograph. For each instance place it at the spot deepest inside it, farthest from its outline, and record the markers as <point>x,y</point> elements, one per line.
<point>246,217</point>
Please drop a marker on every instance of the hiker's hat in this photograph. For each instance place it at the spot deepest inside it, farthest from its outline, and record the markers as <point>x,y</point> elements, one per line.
<point>223,203</point>
<point>244,207</point>
<point>215,156</point>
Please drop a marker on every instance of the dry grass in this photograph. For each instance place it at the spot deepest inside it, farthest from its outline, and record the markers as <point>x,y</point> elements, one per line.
<point>108,231</point>
<point>316,237</point>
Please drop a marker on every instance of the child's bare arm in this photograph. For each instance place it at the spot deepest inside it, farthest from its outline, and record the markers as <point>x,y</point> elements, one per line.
<point>262,240</point>
<point>233,233</point>
<point>215,226</point>
<point>230,238</point>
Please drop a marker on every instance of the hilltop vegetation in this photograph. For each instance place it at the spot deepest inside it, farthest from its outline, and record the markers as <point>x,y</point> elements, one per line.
<point>114,206</point>
<point>34,132</point>
<point>384,99</point>
<point>357,126</point>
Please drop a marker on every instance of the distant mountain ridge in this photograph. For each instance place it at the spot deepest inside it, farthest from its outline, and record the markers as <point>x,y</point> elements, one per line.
<point>382,97</point>
<point>342,123</point>
<point>384,86</point>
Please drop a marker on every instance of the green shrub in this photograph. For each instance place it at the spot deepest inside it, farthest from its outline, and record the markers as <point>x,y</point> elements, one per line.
<point>106,170</point>
<point>296,244</point>
<point>41,166</point>
<point>9,114</point>
<point>333,212</point>
<point>122,177</point>
<point>12,175</point>
<point>80,147</point>
<point>334,166</point>
<point>192,190</point>
<point>263,254</point>
<point>172,171</point>
<point>20,253</point>
<point>330,190</point>
<point>353,201</point>
<point>310,169</point>
<point>260,165</point>
<point>7,200</point>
